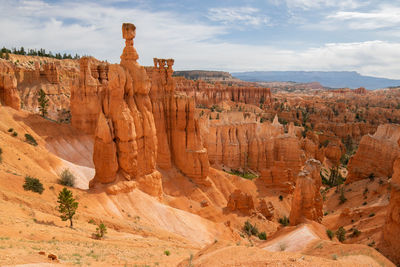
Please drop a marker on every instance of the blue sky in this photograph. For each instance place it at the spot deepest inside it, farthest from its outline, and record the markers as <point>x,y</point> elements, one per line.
<point>356,35</point>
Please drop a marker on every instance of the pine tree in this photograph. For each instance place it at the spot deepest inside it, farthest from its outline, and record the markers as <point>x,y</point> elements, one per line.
<point>67,206</point>
<point>43,102</point>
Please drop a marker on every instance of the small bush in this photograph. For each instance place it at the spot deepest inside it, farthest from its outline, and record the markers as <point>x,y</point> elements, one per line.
<point>167,253</point>
<point>330,234</point>
<point>364,203</point>
<point>67,178</point>
<point>371,177</point>
<point>11,130</point>
<point>14,134</point>
<point>33,184</point>
<point>341,234</point>
<point>284,221</point>
<point>371,215</point>
<point>262,236</point>
<point>101,230</point>
<point>29,139</point>
<point>355,233</point>
<point>280,197</point>
<point>250,229</point>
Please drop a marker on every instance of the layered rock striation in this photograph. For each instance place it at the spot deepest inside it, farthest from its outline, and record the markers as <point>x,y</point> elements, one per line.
<point>207,93</point>
<point>8,86</point>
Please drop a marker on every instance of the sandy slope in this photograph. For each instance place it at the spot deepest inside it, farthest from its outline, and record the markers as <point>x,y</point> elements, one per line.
<point>140,227</point>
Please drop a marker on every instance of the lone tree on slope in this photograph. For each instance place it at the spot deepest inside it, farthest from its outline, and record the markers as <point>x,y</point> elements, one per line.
<point>43,103</point>
<point>67,206</point>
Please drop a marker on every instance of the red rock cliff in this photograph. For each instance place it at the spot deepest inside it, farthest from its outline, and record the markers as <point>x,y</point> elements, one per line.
<point>376,154</point>
<point>8,86</point>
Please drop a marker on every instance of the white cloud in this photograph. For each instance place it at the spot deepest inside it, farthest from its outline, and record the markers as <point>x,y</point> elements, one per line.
<point>88,28</point>
<point>385,16</point>
<point>238,15</point>
<point>317,4</point>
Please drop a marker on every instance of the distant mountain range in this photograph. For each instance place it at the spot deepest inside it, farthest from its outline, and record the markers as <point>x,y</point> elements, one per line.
<point>332,79</point>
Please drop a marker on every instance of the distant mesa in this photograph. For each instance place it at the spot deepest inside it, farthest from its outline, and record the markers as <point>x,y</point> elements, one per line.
<point>332,79</point>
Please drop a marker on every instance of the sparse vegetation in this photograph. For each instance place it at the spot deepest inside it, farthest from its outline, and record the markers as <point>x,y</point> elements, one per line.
<point>101,230</point>
<point>43,103</point>
<point>167,253</point>
<point>245,175</point>
<point>371,215</point>
<point>280,198</point>
<point>4,53</point>
<point>250,229</point>
<point>341,234</point>
<point>262,236</point>
<point>284,221</point>
<point>355,232</point>
<point>342,198</point>
<point>1,153</point>
<point>33,184</point>
<point>282,246</point>
<point>330,234</point>
<point>68,205</point>
<point>14,134</point>
<point>67,178</point>
<point>10,130</point>
<point>29,139</point>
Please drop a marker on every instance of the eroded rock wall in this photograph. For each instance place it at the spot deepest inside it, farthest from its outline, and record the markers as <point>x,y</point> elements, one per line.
<point>391,231</point>
<point>8,86</point>
<point>206,93</point>
<point>178,132</point>
<point>376,154</point>
<point>307,200</point>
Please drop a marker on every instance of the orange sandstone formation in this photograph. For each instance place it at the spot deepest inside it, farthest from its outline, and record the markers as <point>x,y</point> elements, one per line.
<point>125,138</point>
<point>307,200</point>
<point>206,93</point>
<point>178,133</point>
<point>92,84</point>
<point>376,154</point>
<point>391,231</point>
<point>8,86</point>
<point>242,202</point>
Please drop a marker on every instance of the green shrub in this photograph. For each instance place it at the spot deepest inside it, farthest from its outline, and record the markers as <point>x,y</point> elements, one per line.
<point>33,184</point>
<point>262,236</point>
<point>355,233</point>
<point>284,221</point>
<point>341,234</point>
<point>330,233</point>
<point>371,215</point>
<point>101,230</point>
<point>14,134</point>
<point>250,229</point>
<point>29,139</point>
<point>11,130</point>
<point>280,197</point>
<point>167,253</point>
<point>68,205</point>
<point>67,178</point>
